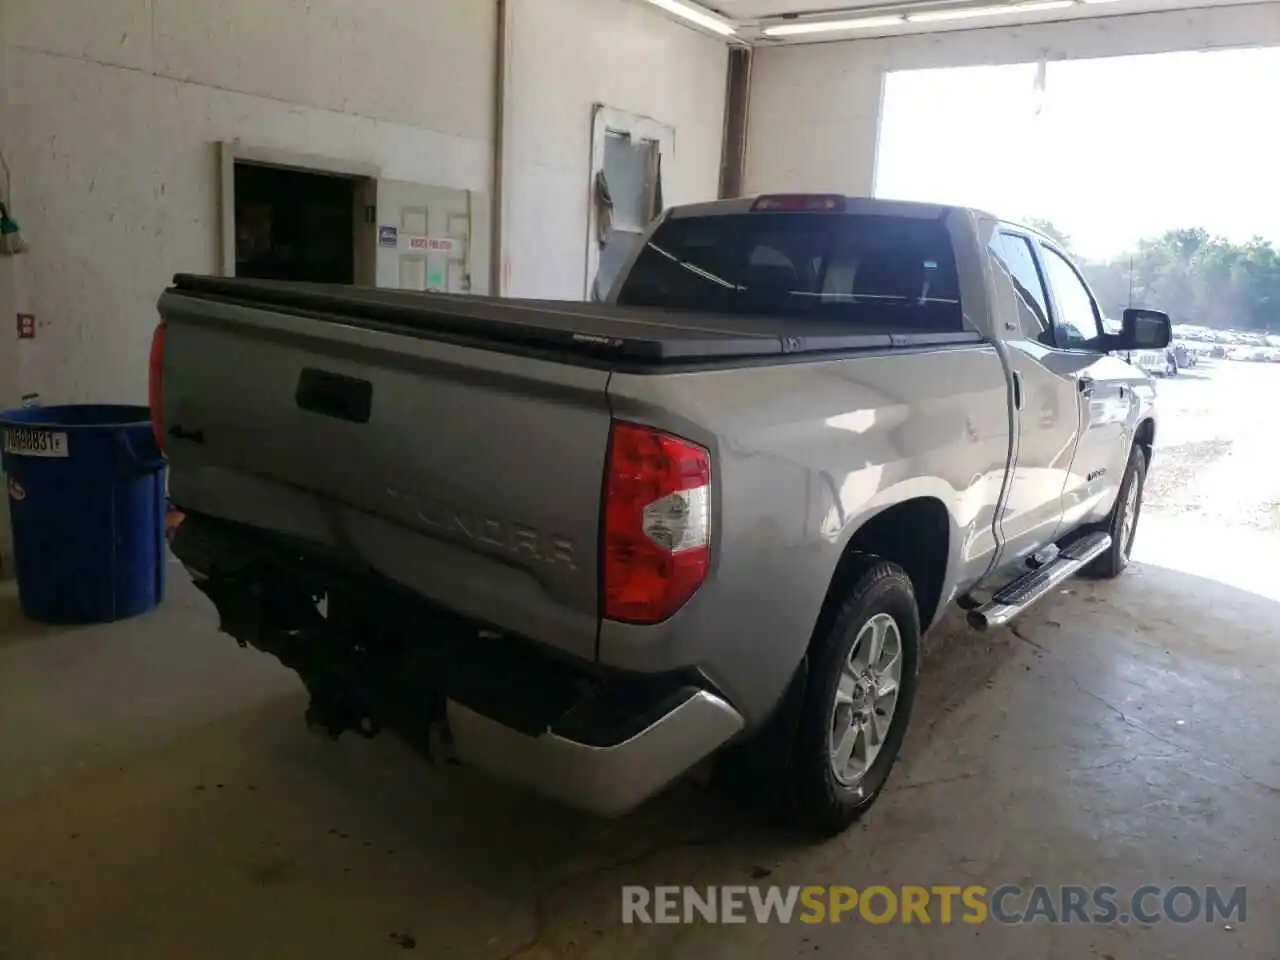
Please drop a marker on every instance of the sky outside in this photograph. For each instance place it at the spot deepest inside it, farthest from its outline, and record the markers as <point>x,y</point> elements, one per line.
<point>1121,148</point>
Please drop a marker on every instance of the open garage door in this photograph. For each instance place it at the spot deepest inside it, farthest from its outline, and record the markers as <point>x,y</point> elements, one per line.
<point>1151,169</point>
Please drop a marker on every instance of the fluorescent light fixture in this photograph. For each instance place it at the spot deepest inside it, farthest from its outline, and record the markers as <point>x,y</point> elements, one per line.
<point>696,15</point>
<point>966,13</point>
<point>832,26</point>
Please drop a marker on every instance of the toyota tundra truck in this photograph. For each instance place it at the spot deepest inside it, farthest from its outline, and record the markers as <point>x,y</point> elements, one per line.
<point>588,546</point>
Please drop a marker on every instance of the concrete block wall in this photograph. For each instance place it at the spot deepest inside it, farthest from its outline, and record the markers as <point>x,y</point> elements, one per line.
<point>112,110</point>
<point>815,109</point>
<point>566,56</point>
<point>116,109</point>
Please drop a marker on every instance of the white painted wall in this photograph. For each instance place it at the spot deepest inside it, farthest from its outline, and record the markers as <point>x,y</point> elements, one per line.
<point>815,109</point>
<point>116,106</point>
<point>111,110</point>
<point>566,56</point>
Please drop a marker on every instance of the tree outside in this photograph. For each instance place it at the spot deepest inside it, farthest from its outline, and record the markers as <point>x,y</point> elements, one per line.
<point>1195,277</point>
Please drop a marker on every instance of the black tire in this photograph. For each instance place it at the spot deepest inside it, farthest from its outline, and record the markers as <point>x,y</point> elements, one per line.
<point>1111,564</point>
<point>818,802</point>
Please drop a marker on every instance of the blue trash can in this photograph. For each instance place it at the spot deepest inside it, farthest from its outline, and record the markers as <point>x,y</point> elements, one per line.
<point>86,491</point>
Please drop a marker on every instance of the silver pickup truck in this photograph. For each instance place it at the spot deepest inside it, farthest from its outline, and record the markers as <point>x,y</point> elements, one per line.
<point>587,546</point>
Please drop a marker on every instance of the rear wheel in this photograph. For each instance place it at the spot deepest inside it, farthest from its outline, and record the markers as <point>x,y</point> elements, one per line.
<point>1123,521</point>
<point>864,666</point>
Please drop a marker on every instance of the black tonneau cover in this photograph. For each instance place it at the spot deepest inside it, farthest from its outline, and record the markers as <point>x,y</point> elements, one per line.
<point>597,330</point>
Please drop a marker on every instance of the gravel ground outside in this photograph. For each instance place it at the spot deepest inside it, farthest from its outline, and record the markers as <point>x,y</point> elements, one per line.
<point>1216,446</point>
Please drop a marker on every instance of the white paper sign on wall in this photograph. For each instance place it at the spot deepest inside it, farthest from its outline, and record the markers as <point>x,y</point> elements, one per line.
<point>432,244</point>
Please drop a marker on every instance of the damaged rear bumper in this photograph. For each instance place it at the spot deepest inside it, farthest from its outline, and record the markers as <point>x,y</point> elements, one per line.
<point>607,778</point>
<point>379,657</point>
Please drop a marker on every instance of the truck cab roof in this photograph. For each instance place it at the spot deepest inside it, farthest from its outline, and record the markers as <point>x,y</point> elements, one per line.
<point>796,202</point>
<point>811,203</point>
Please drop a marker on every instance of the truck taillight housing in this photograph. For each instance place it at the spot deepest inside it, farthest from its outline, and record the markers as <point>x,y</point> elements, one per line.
<point>657,523</point>
<point>155,385</point>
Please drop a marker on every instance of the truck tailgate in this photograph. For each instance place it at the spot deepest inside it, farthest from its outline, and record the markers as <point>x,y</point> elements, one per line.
<point>473,477</point>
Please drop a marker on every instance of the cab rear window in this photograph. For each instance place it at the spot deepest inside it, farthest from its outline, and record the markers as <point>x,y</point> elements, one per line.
<point>861,268</point>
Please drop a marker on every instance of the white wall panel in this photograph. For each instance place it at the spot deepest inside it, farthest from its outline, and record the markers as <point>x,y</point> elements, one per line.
<point>568,55</point>
<point>111,110</point>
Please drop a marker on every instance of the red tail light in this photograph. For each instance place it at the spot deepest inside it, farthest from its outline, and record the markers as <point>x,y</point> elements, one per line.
<point>155,385</point>
<point>657,523</point>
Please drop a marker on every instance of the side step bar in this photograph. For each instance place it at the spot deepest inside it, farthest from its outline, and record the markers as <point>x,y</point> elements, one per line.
<point>1011,599</point>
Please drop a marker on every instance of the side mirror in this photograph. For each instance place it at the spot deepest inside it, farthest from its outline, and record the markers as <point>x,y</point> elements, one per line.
<point>1143,330</point>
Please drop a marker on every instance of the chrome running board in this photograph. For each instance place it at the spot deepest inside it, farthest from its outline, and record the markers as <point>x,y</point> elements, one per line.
<point>1011,599</point>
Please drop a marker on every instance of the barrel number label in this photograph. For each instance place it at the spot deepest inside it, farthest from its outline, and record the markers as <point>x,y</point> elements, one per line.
<point>26,442</point>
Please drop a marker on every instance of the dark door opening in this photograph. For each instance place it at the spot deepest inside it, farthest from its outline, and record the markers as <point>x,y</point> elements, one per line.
<point>294,225</point>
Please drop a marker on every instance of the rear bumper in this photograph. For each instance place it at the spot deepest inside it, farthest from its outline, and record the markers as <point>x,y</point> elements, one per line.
<point>382,658</point>
<point>606,780</point>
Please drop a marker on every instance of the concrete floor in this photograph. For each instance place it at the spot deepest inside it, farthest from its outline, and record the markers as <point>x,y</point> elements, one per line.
<point>160,798</point>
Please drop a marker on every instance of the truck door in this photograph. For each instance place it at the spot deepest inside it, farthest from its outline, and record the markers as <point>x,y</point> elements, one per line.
<point>414,237</point>
<point>1102,384</point>
<point>1044,399</point>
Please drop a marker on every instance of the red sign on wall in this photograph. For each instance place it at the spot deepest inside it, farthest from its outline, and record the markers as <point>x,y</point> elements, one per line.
<point>26,326</point>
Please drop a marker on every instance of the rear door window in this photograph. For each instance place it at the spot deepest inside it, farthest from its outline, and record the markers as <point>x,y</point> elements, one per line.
<point>1015,253</point>
<point>863,269</point>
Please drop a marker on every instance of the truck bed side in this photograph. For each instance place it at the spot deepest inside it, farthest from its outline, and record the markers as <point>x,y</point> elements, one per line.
<point>807,453</point>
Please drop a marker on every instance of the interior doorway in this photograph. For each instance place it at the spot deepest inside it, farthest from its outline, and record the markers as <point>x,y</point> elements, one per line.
<point>299,217</point>
<point>294,224</point>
